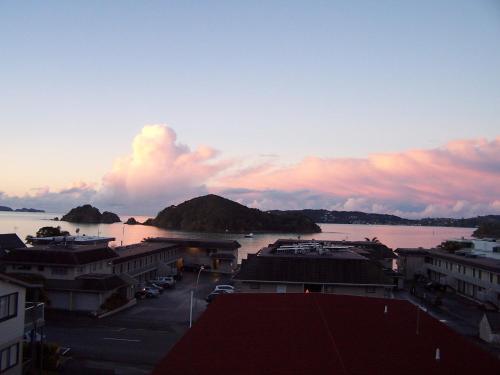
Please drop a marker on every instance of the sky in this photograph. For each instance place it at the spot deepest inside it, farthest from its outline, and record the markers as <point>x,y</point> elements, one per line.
<point>380,106</point>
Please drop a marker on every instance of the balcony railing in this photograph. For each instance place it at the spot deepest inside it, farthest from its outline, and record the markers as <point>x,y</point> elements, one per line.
<point>34,315</point>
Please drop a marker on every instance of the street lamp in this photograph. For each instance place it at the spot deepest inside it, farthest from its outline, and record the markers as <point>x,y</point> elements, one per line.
<point>192,296</point>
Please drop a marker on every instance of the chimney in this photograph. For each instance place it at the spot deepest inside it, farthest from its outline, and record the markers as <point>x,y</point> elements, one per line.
<point>438,354</point>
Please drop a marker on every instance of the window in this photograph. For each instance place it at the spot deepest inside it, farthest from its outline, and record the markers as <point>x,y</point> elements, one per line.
<point>473,272</point>
<point>479,273</point>
<point>22,267</point>
<point>80,269</point>
<point>59,271</point>
<point>459,268</point>
<point>370,289</point>
<point>254,286</point>
<point>491,277</point>
<point>8,306</point>
<point>41,268</point>
<point>9,357</point>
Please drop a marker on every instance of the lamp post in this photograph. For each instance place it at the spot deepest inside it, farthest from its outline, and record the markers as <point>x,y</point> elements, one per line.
<point>192,296</point>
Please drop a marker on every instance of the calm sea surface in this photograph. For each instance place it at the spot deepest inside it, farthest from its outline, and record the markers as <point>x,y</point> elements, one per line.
<point>393,236</point>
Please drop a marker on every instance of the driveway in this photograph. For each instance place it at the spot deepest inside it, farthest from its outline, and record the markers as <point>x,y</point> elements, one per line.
<point>134,340</point>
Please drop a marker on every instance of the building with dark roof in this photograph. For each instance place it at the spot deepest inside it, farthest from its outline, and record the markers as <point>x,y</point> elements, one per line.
<point>74,277</point>
<point>147,260</point>
<point>474,276</point>
<point>314,266</point>
<point>312,333</point>
<point>10,241</point>
<point>219,256</point>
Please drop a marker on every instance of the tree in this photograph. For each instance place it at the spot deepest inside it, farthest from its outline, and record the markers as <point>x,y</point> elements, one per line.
<point>374,240</point>
<point>48,232</point>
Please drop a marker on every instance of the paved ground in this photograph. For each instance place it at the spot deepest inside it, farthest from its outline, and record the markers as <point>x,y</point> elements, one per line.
<point>460,314</point>
<point>134,340</point>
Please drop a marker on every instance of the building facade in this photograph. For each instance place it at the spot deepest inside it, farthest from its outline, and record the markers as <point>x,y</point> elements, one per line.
<point>219,256</point>
<point>473,276</point>
<point>74,277</point>
<point>17,317</point>
<point>147,260</point>
<point>307,266</point>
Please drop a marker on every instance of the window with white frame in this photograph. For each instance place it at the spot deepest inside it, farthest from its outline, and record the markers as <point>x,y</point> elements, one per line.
<point>9,357</point>
<point>8,306</point>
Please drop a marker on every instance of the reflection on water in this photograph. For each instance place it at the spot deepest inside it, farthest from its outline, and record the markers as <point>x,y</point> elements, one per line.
<point>26,223</point>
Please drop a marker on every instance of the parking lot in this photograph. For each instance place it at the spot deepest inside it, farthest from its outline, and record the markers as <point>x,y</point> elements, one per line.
<point>134,340</point>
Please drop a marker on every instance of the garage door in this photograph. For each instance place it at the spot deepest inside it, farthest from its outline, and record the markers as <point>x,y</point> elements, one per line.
<point>85,301</point>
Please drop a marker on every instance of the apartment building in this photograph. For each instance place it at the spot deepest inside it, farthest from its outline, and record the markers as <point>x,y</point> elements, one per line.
<point>74,277</point>
<point>312,266</point>
<point>219,256</point>
<point>147,260</point>
<point>16,318</point>
<point>472,275</point>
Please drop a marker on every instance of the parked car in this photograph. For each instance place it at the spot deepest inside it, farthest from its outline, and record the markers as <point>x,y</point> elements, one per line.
<point>154,285</point>
<point>225,288</point>
<point>165,281</point>
<point>147,292</point>
<point>214,295</point>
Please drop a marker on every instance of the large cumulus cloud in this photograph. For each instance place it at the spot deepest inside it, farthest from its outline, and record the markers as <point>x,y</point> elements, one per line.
<point>158,172</point>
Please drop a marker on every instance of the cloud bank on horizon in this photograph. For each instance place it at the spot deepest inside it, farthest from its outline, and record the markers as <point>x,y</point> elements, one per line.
<point>460,179</point>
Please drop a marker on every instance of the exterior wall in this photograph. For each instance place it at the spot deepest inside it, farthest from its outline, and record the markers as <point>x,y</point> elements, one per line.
<point>61,272</point>
<point>362,291</point>
<point>255,287</point>
<point>473,282</point>
<point>410,265</point>
<point>202,257</point>
<point>149,266</point>
<point>12,330</point>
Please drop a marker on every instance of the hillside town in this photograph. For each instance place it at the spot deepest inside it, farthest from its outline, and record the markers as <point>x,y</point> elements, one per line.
<point>65,299</point>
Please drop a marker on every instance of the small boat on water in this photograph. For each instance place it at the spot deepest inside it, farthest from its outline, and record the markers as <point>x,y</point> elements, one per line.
<point>249,235</point>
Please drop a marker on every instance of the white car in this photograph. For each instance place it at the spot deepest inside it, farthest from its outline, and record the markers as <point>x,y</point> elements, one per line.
<point>165,280</point>
<point>224,288</point>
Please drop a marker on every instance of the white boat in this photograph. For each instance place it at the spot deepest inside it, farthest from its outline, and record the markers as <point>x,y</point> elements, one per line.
<point>249,235</point>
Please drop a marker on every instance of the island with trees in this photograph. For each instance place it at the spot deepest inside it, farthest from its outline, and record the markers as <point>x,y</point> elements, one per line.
<point>212,213</point>
<point>90,215</point>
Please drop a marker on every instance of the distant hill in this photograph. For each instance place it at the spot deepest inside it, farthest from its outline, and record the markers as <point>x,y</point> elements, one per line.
<point>357,217</point>
<point>212,213</point>
<point>348,217</point>
<point>5,208</point>
<point>90,215</point>
<point>28,210</point>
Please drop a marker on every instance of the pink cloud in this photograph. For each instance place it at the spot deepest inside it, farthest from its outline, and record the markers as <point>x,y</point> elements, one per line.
<point>461,177</point>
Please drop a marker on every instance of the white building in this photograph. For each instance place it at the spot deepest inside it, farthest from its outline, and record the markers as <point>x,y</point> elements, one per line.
<point>489,328</point>
<point>74,277</point>
<point>16,318</point>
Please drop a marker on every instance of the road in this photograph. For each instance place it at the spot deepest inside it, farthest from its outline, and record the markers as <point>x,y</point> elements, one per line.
<point>134,340</point>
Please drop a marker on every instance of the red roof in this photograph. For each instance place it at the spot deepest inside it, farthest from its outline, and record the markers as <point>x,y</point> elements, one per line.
<point>283,334</point>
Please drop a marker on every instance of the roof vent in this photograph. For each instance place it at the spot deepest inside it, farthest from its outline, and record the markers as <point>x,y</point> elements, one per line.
<point>438,354</point>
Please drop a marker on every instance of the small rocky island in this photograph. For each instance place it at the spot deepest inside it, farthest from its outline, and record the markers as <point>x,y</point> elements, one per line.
<point>90,215</point>
<point>132,221</point>
<point>212,213</point>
